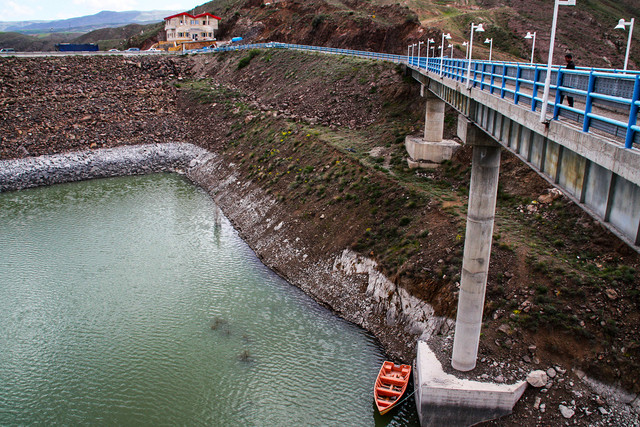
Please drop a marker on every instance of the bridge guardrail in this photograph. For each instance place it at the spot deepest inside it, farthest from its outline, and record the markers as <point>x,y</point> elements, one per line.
<point>605,100</point>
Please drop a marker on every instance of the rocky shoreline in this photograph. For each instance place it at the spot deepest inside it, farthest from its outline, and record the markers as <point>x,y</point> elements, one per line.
<point>82,165</point>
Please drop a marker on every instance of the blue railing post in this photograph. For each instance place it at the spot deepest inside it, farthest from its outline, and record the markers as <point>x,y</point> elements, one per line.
<point>633,114</point>
<point>534,95</point>
<point>586,122</point>
<point>516,94</point>
<point>474,75</point>
<point>504,80</point>
<point>493,78</point>
<point>556,107</point>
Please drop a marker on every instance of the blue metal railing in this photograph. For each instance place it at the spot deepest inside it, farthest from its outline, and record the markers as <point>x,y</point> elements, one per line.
<point>331,50</point>
<point>605,100</point>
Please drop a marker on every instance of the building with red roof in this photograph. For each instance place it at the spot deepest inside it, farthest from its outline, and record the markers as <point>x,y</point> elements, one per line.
<point>184,26</point>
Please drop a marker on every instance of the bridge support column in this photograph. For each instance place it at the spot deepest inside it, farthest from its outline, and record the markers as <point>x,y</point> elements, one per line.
<point>431,150</point>
<point>434,118</point>
<point>477,246</point>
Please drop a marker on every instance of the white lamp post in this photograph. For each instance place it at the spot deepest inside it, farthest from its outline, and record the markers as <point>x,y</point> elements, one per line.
<point>419,43</point>
<point>451,46</point>
<point>412,46</point>
<point>547,80</point>
<point>429,41</point>
<point>533,46</point>
<point>490,41</point>
<point>621,24</point>
<point>479,29</point>
<point>466,49</point>
<point>444,36</point>
<point>408,57</point>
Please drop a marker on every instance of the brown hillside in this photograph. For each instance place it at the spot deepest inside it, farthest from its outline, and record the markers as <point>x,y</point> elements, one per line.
<point>586,30</point>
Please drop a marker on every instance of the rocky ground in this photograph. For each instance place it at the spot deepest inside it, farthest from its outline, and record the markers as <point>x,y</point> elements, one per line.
<point>325,142</point>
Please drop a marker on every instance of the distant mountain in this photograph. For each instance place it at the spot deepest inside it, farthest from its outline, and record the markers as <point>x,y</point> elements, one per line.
<point>15,26</point>
<point>104,19</point>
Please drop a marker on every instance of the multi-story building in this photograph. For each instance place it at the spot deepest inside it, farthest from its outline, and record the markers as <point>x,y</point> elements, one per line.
<point>183,27</point>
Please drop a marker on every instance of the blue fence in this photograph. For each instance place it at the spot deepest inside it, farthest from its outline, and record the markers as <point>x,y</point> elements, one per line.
<point>604,100</point>
<point>330,50</point>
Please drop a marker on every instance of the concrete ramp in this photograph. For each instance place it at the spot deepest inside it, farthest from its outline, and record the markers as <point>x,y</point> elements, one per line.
<point>444,400</point>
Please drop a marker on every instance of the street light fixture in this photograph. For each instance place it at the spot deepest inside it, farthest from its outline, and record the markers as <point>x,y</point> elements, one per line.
<point>466,49</point>
<point>479,29</point>
<point>408,57</point>
<point>547,80</point>
<point>412,46</point>
<point>451,46</point>
<point>429,41</point>
<point>490,41</point>
<point>448,37</point>
<point>533,46</point>
<point>621,24</point>
<point>444,36</point>
<point>419,43</point>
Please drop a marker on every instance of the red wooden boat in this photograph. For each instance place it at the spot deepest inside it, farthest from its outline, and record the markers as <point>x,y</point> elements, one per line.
<point>390,385</point>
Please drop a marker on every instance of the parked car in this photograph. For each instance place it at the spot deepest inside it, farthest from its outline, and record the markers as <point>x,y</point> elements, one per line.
<point>114,50</point>
<point>153,49</point>
<point>7,50</point>
<point>133,49</point>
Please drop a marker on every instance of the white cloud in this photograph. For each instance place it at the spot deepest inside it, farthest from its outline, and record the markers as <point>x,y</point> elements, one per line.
<point>114,5</point>
<point>16,11</point>
<point>28,10</point>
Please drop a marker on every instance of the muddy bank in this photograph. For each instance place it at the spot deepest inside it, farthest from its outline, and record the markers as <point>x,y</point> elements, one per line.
<point>346,282</point>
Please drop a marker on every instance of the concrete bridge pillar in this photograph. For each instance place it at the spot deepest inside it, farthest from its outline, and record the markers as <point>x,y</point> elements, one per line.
<point>431,150</point>
<point>477,246</point>
<point>434,117</point>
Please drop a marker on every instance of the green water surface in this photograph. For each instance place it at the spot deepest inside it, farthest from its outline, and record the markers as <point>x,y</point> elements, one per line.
<point>132,301</point>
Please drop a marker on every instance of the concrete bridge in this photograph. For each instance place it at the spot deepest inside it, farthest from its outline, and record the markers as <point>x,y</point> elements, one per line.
<point>586,149</point>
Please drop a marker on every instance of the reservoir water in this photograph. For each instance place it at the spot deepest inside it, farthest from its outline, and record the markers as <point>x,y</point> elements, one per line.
<point>133,301</point>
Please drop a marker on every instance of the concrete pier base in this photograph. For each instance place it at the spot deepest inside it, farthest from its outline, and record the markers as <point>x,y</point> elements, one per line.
<point>427,154</point>
<point>431,150</point>
<point>444,400</point>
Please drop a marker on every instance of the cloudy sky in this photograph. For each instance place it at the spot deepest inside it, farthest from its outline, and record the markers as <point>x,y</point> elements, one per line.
<point>49,10</point>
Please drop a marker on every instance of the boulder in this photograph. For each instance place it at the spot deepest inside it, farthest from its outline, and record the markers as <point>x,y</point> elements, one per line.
<point>537,378</point>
